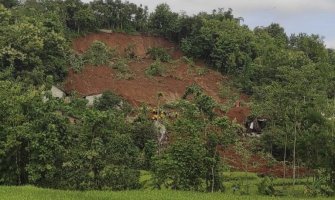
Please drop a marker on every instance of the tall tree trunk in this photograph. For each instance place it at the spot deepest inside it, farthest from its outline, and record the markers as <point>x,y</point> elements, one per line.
<point>213,174</point>
<point>285,154</point>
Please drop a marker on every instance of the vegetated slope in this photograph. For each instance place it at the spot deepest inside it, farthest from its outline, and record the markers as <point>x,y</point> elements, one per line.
<point>142,88</point>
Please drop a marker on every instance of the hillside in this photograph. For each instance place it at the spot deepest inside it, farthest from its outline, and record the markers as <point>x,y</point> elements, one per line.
<point>109,95</point>
<point>141,88</point>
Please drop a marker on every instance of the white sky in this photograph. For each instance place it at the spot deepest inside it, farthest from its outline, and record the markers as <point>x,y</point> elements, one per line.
<point>308,16</point>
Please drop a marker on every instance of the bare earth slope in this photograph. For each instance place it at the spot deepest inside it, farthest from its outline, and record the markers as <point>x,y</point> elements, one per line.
<point>142,88</point>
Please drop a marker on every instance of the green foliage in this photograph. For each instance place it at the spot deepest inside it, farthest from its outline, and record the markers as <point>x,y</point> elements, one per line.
<point>158,53</point>
<point>85,19</point>
<point>189,61</point>
<point>319,187</point>
<point>150,149</point>
<point>205,103</point>
<point>76,62</point>
<point>163,21</point>
<point>41,147</point>
<point>155,69</point>
<point>312,46</point>
<point>110,101</point>
<point>32,46</point>
<point>99,54</point>
<point>225,44</point>
<point>265,187</point>
<point>123,71</point>
<point>181,167</point>
<point>130,51</point>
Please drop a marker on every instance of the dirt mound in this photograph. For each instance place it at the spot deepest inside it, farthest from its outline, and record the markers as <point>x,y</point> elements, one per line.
<point>121,41</point>
<point>259,164</point>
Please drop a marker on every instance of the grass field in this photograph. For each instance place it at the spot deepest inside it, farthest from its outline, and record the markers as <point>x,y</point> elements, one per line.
<point>34,193</point>
<point>147,193</point>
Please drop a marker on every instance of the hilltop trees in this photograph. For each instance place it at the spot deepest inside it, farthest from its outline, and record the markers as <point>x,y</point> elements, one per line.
<point>31,48</point>
<point>224,43</point>
<point>164,22</point>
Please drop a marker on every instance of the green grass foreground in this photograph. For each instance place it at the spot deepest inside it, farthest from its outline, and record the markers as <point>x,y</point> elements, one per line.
<point>34,193</point>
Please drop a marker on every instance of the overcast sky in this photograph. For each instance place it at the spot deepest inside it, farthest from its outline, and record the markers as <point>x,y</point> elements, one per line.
<point>308,16</point>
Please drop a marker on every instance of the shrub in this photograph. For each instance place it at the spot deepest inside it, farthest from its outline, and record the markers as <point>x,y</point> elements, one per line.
<point>123,72</point>
<point>189,61</point>
<point>120,178</point>
<point>319,187</point>
<point>99,54</point>
<point>76,62</point>
<point>158,53</point>
<point>130,51</point>
<point>201,71</point>
<point>265,187</point>
<point>155,69</point>
<point>109,100</point>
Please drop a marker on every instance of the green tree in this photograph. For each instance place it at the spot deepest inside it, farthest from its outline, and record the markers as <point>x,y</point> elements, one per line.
<point>312,45</point>
<point>182,166</point>
<point>164,22</point>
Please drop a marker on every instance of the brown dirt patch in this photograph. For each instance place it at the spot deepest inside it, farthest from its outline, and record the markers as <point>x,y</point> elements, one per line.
<point>239,114</point>
<point>142,88</point>
<point>121,41</point>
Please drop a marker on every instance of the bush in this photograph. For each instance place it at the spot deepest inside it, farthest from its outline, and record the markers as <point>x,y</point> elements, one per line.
<point>120,178</point>
<point>99,54</point>
<point>189,61</point>
<point>158,53</point>
<point>319,187</point>
<point>243,188</point>
<point>110,100</point>
<point>123,72</point>
<point>155,69</point>
<point>265,187</point>
<point>76,62</point>
<point>130,51</point>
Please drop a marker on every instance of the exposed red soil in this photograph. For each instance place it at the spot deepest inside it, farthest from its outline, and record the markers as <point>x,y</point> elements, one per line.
<point>259,164</point>
<point>142,88</point>
<point>121,41</point>
<point>239,114</point>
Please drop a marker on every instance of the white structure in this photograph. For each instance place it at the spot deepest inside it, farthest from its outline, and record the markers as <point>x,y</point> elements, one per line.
<point>57,93</point>
<point>92,98</point>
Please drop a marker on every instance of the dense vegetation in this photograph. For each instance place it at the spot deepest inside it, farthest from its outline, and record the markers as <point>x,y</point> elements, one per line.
<point>52,143</point>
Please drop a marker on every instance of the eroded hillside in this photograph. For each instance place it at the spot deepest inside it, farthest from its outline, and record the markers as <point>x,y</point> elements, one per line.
<point>141,88</point>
